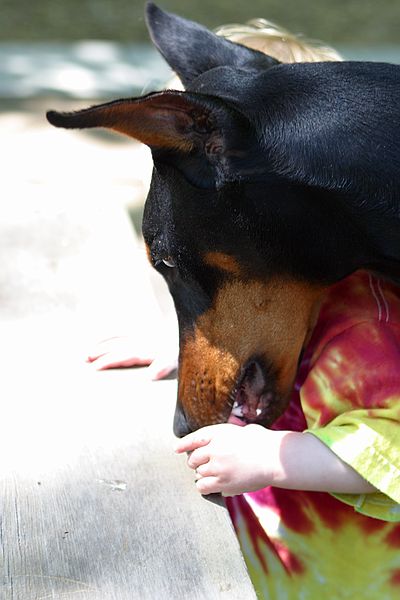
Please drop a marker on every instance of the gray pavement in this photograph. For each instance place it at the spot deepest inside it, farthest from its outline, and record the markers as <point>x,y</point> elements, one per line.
<point>92,499</point>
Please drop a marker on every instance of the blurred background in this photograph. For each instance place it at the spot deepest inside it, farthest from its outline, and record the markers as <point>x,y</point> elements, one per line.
<point>360,22</point>
<point>66,53</point>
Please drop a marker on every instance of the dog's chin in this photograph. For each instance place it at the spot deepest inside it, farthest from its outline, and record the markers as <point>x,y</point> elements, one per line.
<point>254,400</point>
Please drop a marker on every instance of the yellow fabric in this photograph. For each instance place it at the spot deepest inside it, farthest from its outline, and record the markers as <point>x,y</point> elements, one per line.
<point>365,396</point>
<point>368,448</point>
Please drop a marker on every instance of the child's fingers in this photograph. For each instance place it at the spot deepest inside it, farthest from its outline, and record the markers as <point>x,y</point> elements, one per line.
<point>104,346</point>
<point>116,352</point>
<point>123,351</point>
<point>94,355</point>
<point>194,440</point>
<point>115,361</point>
<point>198,457</point>
<point>204,470</point>
<point>208,485</point>
<point>161,367</point>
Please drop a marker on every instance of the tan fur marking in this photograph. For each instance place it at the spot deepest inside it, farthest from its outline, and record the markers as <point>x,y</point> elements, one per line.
<point>271,320</point>
<point>148,252</point>
<point>224,262</point>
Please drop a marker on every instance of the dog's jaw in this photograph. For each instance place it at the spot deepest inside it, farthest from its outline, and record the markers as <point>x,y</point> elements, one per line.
<point>241,358</point>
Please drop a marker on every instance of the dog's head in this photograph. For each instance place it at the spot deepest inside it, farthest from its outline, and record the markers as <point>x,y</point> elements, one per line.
<point>245,217</point>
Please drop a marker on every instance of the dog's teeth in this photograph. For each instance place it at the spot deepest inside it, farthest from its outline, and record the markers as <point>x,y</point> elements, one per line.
<point>237,410</point>
<point>258,411</point>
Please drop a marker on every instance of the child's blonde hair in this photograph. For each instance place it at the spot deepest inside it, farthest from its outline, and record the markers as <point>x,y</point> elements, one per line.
<point>265,36</point>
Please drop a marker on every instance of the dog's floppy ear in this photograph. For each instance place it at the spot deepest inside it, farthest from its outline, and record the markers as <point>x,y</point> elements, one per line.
<point>191,49</point>
<point>195,132</point>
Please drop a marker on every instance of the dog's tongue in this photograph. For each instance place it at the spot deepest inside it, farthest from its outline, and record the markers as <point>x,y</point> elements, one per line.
<point>236,421</point>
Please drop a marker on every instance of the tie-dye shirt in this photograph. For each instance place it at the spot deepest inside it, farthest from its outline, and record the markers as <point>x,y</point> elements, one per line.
<point>312,545</point>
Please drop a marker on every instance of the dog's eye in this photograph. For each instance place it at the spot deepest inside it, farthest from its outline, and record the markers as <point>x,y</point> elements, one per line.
<point>168,262</point>
<point>160,254</point>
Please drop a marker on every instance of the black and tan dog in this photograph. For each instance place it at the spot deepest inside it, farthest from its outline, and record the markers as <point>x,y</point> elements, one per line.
<point>270,183</point>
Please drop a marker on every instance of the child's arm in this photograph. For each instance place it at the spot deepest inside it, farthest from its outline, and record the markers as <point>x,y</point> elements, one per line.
<point>232,460</point>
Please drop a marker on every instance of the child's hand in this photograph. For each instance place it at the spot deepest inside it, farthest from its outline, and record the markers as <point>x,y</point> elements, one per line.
<point>230,459</point>
<point>117,352</point>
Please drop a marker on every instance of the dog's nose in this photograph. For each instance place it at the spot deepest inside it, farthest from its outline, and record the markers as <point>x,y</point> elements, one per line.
<point>181,427</point>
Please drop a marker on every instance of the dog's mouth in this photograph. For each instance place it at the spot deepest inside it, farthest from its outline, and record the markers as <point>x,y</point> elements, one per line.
<point>253,397</point>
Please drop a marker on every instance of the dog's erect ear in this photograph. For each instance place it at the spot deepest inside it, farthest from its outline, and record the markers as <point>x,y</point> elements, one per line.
<point>172,119</point>
<point>191,49</point>
<point>191,128</point>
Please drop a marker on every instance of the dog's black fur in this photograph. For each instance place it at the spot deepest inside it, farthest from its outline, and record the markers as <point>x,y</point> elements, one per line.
<point>271,182</point>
